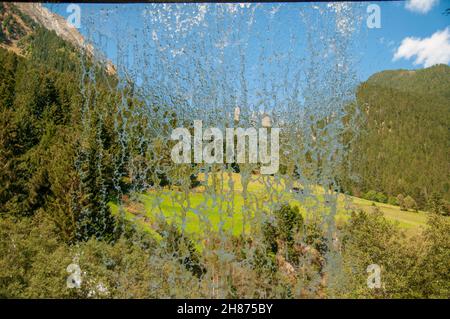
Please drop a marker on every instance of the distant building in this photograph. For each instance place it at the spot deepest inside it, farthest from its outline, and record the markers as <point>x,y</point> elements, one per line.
<point>266,121</point>
<point>237,113</point>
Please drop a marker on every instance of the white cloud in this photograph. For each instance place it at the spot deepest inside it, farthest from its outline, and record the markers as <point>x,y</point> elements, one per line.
<point>420,6</point>
<point>427,51</point>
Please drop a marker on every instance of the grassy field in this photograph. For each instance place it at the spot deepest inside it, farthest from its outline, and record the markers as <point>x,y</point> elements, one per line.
<point>230,209</point>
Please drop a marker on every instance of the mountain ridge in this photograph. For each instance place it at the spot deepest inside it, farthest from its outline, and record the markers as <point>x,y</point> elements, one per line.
<point>434,79</point>
<point>403,147</point>
<point>20,20</point>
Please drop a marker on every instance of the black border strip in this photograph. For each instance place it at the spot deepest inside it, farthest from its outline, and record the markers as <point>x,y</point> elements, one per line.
<point>162,308</point>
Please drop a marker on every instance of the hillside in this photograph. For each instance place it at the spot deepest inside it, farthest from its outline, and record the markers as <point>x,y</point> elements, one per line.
<point>404,146</point>
<point>21,22</point>
<point>50,129</point>
<point>432,80</point>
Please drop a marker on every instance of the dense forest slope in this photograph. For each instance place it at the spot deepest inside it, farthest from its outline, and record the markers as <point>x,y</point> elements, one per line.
<point>404,144</point>
<point>44,144</point>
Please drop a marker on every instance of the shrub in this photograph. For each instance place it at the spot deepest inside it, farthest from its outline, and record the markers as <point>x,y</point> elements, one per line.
<point>194,181</point>
<point>371,195</point>
<point>369,238</point>
<point>381,198</point>
<point>375,196</point>
<point>432,277</point>
<point>436,204</point>
<point>401,201</point>
<point>288,221</point>
<point>2,35</point>
<point>182,248</point>
<point>270,237</point>
<point>446,208</point>
<point>315,237</point>
<point>410,203</point>
<point>392,200</point>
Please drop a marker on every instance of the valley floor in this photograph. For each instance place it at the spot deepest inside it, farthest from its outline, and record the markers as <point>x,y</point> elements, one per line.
<point>202,209</point>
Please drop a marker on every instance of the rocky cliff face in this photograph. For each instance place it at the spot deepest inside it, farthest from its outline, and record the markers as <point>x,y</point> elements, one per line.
<point>19,20</point>
<point>53,22</point>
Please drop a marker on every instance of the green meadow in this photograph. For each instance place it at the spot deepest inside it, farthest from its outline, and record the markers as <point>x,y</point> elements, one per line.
<point>229,210</point>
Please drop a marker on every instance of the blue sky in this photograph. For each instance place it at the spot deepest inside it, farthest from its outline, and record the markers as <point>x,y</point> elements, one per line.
<point>398,23</point>
<point>375,47</point>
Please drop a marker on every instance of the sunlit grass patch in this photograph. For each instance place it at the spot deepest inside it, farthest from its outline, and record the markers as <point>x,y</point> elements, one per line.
<point>202,211</point>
